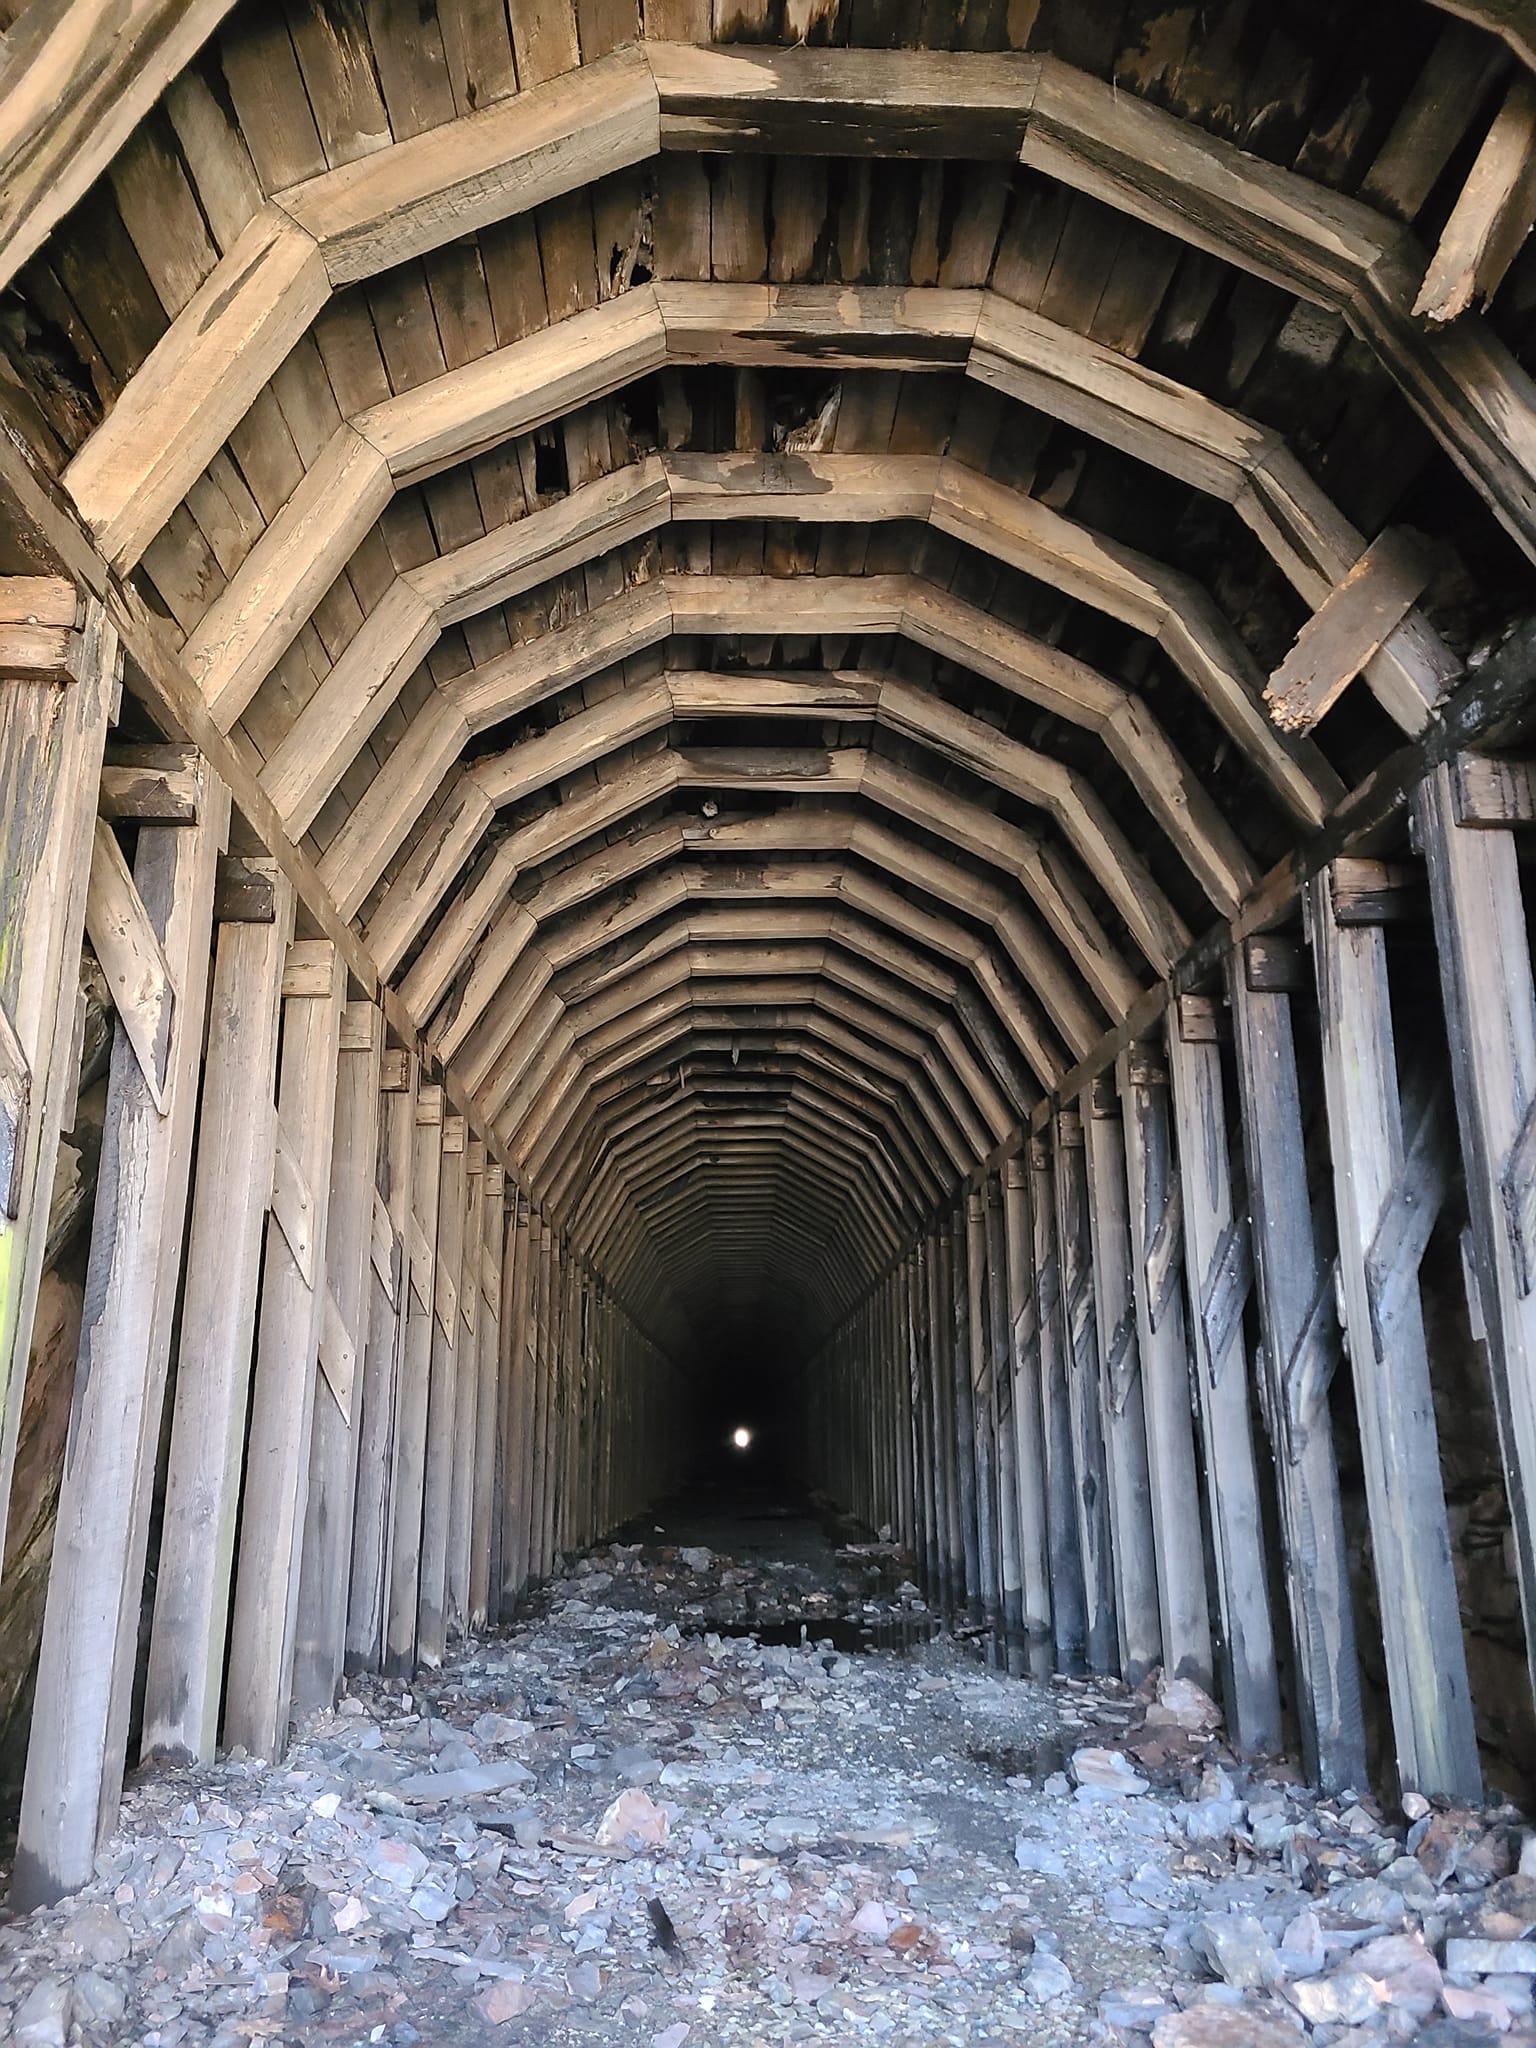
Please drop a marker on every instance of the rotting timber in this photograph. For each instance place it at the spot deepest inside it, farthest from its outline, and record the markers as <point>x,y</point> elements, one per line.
<point>805,691</point>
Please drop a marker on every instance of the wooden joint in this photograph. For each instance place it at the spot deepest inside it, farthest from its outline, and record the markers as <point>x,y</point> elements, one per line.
<point>360,1026</point>
<point>455,1132</point>
<point>1145,1066</point>
<point>309,971</point>
<point>495,1182</point>
<point>40,617</point>
<point>394,1070</point>
<point>1069,1128</point>
<point>1275,966</point>
<point>1368,892</point>
<point>245,891</point>
<point>1488,793</point>
<point>1103,1096</point>
<point>151,785</point>
<point>1202,1020</point>
<point>429,1103</point>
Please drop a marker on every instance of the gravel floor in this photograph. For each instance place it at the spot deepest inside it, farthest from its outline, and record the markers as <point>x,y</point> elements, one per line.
<point>622,1821</point>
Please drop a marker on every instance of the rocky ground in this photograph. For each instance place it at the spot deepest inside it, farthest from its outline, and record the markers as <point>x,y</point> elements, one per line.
<point>623,1822</point>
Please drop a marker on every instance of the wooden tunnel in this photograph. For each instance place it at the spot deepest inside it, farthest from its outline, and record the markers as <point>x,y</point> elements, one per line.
<point>844,682</point>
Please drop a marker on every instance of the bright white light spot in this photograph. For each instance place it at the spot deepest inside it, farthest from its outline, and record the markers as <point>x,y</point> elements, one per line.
<point>741,1438</point>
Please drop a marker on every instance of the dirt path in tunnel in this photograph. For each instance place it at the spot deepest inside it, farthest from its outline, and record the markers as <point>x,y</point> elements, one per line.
<point>625,1821</point>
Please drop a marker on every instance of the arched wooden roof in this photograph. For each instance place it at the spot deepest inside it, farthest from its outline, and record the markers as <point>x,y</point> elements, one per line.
<point>771,567</point>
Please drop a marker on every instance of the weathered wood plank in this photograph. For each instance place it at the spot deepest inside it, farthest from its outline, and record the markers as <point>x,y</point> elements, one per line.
<point>1091,1490</point>
<point>1490,1006</point>
<point>236,1129</point>
<point>90,1627</point>
<point>52,735</point>
<point>1348,629</point>
<point>1421,1622</point>
<point>258,1694</point>
<point>1155,1245</point>
<point>321,1617</point>
<point>1134,1555</point>
<point>442,1406</point>
<point>379,1385</point>
<point>415,1374</point>
<point>1249,1682</point>
<point>1492,217</point>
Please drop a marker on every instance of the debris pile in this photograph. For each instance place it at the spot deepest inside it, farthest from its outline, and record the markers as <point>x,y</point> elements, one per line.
<point>621,1823</point>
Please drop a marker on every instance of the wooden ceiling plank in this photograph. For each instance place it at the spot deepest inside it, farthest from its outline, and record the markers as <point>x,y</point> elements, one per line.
<point>70,98</point>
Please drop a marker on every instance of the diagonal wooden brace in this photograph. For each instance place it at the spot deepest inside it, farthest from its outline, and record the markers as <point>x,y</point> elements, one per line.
<point>1403,1231</point>
<point>1225,1290</point>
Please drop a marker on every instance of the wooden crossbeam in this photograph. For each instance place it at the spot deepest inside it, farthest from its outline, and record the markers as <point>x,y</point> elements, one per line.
<point>1493,215</point>
<point>154,784</point>
<point>1336,251</point>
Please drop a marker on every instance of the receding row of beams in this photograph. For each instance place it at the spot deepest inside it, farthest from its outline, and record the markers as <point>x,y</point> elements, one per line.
<point>593,354</point>
<point>417,195</point>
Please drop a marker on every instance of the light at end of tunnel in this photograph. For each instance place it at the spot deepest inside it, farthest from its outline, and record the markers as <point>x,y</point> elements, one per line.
<point>742,1439</point>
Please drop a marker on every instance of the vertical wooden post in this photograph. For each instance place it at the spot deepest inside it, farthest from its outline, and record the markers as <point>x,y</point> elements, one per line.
<point>236,1129</point>
<point>1373,1177</point>
<point>1024,1365</point>
<point>1299,1353</point>
<point>466,1391</point>
<point>419,1287</point>
<point>442,1400</point>
<point>493,1219</point>
<point>516,1414</point>
<point>538,1549</point>
<point>1088,1452</point>
<point>53,727</point>
<point>389,1280</point>
<point>1490,1009</point>
<point>90,1626</point>
<point>983,1444</point>
<point>1156,1249</point>
<point>1133,1538</point>
<point>1069,1600</point>
<point>327,1548</point>
<point>1000,1345</point>
<point>262,1627</point>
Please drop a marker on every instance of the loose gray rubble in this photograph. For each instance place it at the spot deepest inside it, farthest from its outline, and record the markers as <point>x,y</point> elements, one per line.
<point>613,1824</point>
